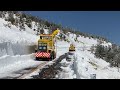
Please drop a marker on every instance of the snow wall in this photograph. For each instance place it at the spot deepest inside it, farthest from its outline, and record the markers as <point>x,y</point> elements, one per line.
<point>8,48</point>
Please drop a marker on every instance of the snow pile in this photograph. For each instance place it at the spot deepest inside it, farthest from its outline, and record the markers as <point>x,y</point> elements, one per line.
<point>14,35</point>
<point>13,41</point>
<point>3,49</point>
<point>10,64</point>
<point>82,40</point>
<point>87,65</point>
<point>67,70</point>
<point>5,60</point>
<point>16,42</point>
<point>7,48</point>
<point>106,44</point>
<point>62,47</point>
<point>87,41</point>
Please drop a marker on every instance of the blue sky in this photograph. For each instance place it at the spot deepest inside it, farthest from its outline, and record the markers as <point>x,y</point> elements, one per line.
<point>103,23</point>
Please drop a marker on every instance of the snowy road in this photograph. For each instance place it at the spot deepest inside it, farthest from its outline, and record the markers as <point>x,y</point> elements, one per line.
<point>22,66</point>
<point>13,66</point>
<point>31,71</point>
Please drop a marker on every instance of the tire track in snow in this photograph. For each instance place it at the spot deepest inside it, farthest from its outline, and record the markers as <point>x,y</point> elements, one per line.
<point>40,66</point>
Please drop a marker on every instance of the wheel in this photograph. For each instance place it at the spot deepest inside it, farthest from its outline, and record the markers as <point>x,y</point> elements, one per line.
<point>36,58</point>
<point>35,51</point>
<point>52,56</point>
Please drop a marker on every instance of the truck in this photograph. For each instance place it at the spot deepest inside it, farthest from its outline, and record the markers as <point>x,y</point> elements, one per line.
<point>72,47</point>
<point>45,49</point>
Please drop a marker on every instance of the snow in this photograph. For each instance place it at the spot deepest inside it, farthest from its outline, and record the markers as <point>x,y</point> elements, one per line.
<point>86,64</point>
<point>30,31</point>
<point>83,40</point>
<point>6,15</point>
<point>46,31</point>
<point>106,44</point>
<point>67,70</point>
<point>14,35</point>
<point>13,44</point>
<point>9,65</point>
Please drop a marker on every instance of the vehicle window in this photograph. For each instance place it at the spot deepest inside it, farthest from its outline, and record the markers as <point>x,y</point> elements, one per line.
<point>44,47</point>
<point>45,37</point>
<point>40,47</point>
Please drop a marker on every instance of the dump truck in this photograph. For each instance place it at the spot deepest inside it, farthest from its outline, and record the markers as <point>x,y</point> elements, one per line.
<point>45,49</point>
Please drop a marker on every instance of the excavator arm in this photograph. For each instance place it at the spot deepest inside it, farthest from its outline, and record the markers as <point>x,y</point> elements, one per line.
<point>55,32</point>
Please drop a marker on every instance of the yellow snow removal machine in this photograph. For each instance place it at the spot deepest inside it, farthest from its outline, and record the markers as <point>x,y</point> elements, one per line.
<point>46,46</point>
<point>72,47</point>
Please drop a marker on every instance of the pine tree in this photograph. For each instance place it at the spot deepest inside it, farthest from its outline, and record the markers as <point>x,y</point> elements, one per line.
<point>92,49</point>
<point>22,27</point>
<point>1,14</point>
<point>11,18</point>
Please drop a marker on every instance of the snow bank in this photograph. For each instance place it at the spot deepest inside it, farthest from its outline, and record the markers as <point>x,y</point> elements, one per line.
<point>14,35</point>
<point>16,42</point>
<point>7,48</point>
<point>9,65</point>
<point>62,47</point>
<point>67,70</point>
<point>86,65</point>
<point>82,40</point>
<point>7,59</point>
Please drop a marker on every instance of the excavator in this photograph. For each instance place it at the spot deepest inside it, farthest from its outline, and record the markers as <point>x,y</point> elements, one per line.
<point>45,49</point>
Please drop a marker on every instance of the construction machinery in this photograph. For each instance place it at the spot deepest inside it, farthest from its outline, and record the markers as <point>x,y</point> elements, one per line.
<point>46,46</point>
<point>72,47</point>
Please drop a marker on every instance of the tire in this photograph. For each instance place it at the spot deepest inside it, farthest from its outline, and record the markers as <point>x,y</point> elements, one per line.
<point>36,58</point>
<point>35,51</point>
<point>52,56</point>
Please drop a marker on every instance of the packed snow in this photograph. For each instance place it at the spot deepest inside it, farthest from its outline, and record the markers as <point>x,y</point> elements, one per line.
<point>86,65</point>
<point>14,35</point>
<point>9,65</point>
